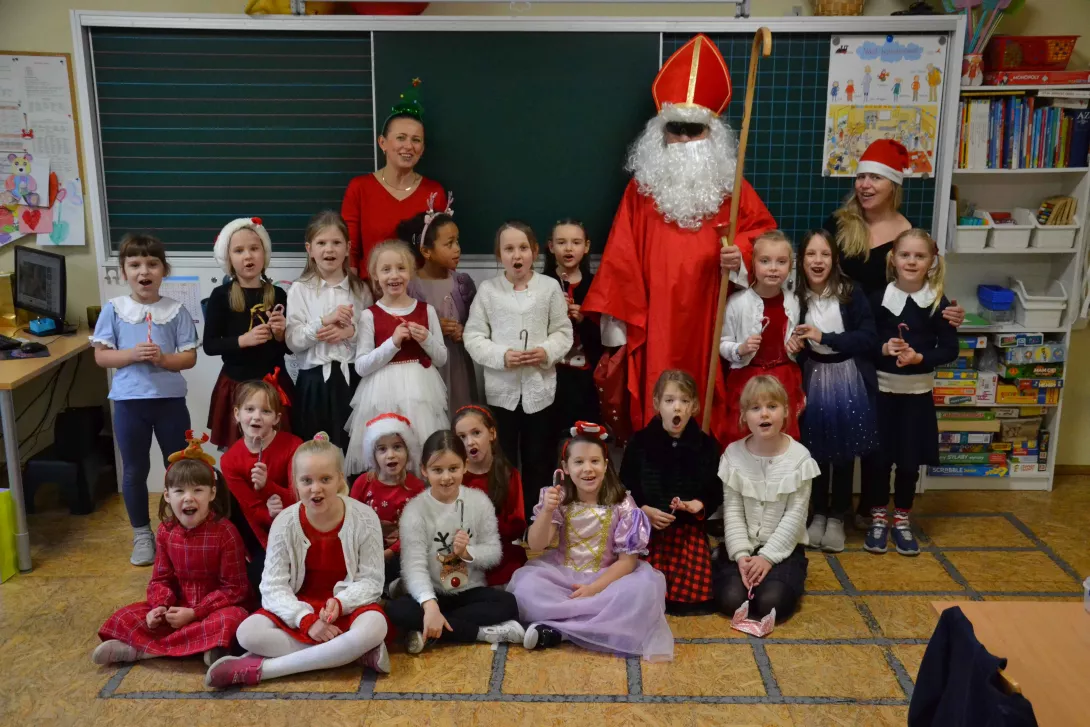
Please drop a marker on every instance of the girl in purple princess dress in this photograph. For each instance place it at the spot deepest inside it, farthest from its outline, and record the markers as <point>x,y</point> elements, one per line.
<point>593,589</point>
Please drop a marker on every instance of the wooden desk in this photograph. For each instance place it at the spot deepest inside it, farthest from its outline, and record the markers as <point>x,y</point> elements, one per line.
<point>1047,648</point>
<point>14,374</point>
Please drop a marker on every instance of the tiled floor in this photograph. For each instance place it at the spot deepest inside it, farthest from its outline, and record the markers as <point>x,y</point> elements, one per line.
<point>847,658</point>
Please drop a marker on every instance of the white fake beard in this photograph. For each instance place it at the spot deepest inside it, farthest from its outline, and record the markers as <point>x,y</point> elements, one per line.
<point>688,180</point>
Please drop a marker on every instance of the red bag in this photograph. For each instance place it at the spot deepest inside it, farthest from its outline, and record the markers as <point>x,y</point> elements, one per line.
<point>611,380</point>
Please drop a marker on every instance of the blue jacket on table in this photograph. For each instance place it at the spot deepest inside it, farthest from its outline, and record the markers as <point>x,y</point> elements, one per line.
<point>928,334</point>
<point>857,340</point>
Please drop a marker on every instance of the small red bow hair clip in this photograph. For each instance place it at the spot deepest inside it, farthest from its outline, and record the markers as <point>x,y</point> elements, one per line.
<point>255,220</point>
<point>193,451</point>
<point>590,429</point>
<point>273,380</point>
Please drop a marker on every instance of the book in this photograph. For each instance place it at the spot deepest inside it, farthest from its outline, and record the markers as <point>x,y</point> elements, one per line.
<point>964,438</point>
<point>958,425</point>
<point>1036,78</point>
<point>976,415</point>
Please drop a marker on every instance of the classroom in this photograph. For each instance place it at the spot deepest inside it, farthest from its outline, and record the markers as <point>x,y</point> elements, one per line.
<point>188,122</point>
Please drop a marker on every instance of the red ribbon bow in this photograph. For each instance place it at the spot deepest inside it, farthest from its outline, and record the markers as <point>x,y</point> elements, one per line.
<point>255,220</point>
<point>273,380</point>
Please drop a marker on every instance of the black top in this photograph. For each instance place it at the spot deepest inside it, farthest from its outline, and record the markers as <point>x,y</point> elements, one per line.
<point>590,335</point>
<point>223,326</point>
<point>657,468</point>
<point>928,334</point>
<point>870,273</point>
<point>857,341</point>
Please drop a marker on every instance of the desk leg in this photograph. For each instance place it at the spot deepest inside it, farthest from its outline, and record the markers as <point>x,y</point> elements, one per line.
<point>15,478</point>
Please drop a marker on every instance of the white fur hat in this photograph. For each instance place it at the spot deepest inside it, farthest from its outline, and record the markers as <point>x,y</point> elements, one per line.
<point>223,242</point>
<point>383,425</point>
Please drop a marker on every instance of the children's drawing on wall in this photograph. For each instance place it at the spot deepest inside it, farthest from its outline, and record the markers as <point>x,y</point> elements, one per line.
<point>27,182</point>
<point>875,84</point>
<point>67,212</point>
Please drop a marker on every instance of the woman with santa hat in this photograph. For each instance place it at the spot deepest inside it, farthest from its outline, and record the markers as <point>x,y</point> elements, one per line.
<point>865,227</point>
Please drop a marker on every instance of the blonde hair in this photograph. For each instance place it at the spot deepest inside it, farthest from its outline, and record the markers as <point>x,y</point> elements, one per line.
<point>682,379</point>
<point>236,297</point>
<point>320,221</point>
<point>758,389</point>
<point>852,231</point>
<point>936,274</point>
<point>773,237</point>
<point>389,246</point>
<point>321,446</point>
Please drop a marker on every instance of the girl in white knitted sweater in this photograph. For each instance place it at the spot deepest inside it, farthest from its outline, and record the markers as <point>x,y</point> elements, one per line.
<point>766,491</point>
<point>322,581</point>
<point>449,538</point>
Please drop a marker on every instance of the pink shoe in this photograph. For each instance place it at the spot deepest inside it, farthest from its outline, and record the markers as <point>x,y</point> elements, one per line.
<point>233,671</point>
<point>377,659</point>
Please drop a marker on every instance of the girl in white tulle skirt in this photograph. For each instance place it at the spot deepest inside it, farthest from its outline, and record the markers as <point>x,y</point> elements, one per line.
<point>399,343</point>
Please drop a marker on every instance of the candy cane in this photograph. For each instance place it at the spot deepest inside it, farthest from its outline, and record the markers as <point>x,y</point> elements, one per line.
<point>147,317</point>
<point>765,321</point>
<point>524,336</point>
<point>901,328</point>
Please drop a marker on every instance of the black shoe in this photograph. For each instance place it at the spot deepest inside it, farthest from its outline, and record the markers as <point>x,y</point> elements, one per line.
<point>541,637</point>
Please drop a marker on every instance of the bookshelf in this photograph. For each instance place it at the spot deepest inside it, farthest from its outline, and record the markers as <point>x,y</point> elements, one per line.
<point>1003,190</point>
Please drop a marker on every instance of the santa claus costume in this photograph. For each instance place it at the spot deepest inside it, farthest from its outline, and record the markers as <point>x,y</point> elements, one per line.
<point>655,289</point>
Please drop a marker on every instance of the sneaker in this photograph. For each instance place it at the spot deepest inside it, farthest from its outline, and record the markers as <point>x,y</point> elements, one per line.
<point>414,642</point>
<point>143,547</point>
<point>541,637</point>
<point>833,540</point>
<point>214,654</point>
<point>508,632</point>
<point>816,531</point>
<point>861,522</point>
<point>396,589</point>
<point>113,652</point>
<point>877,537</point>
<point>377,659</point>
<point>904,539</point>
<point>231,671</point>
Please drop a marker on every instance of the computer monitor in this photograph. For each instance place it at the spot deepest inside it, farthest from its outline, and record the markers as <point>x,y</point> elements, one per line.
<point>41,284</point>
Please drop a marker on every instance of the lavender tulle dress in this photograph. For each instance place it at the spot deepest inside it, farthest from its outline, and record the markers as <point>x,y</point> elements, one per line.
<point>629,616</point>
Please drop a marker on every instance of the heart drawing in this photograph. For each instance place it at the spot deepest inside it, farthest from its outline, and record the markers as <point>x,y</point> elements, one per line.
<point>32,218</point>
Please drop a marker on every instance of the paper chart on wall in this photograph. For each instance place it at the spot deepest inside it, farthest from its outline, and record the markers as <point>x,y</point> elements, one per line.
<point>185,289</point>
<point>883,87</point>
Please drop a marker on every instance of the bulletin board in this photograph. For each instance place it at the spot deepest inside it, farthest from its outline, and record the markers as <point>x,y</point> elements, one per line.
<point>41,163</point>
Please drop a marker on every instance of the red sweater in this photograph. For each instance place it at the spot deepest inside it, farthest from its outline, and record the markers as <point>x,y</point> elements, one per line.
<point>512,525</point>
<point>372,214</point>
<point>236,464</point>
<point>387,501</point>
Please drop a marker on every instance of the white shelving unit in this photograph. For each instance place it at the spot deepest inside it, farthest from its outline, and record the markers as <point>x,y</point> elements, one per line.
<point>1005,189</point>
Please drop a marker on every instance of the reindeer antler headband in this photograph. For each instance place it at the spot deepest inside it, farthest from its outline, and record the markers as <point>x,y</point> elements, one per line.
<point>432,213</point>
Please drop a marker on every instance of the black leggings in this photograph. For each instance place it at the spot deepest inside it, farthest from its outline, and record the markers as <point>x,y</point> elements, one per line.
<point>904,486</point>
<point>529,441</point>
<point>839,501</point>
<point>466,612</point>
<point>781,589</point>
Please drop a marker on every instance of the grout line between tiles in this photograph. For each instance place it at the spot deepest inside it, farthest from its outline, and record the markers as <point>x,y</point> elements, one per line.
<point>115,681</point>
<point>499,667</point>
<point>956,575</point>
<point>367,684</point>
<point>1042,546</point>
<point>635,676</point>
<point>764,666</point>
<point>904,679</point>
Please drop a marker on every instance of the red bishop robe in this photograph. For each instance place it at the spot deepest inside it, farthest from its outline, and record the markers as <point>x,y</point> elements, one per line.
<point>662,281</point>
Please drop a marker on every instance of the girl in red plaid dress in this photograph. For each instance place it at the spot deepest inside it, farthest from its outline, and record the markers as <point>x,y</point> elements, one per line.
<point>194,598</point>
<point>670,467</point>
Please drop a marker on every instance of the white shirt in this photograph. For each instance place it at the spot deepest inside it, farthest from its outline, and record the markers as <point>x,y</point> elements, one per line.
<point>894,298</point>
<point>370,359</point>
<point>308,302</point>
<point>498,317</point>
<point>823,313</point>
<point>745,311</point>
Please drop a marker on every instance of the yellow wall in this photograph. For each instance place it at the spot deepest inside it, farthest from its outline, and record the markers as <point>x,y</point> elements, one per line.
<point>43,25</point>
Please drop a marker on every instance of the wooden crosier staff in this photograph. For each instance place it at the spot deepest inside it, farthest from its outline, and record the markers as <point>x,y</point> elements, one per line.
<point>762,45</point>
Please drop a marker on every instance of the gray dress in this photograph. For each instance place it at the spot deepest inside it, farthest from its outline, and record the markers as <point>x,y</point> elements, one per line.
<point>451,298</point>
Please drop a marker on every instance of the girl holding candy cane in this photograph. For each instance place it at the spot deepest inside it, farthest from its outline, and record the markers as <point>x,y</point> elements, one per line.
<point>757,328</point>
<point>245,324</point>
<point>913,338</point>
<point>398,349</point>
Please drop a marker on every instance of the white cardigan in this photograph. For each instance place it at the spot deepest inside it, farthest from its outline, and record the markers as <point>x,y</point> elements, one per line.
<point>495,323</point>
<point>765,500</point>
<point>286,557</point>
<point>745,310</point>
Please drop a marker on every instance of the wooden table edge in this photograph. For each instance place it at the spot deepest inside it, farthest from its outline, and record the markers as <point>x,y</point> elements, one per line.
<point>72,345</point>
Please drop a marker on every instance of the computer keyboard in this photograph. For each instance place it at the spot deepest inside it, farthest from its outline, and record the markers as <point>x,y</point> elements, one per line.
<point>7,343</point>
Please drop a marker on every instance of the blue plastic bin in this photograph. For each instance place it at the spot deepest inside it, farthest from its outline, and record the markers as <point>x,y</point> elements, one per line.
<point>995,297</point>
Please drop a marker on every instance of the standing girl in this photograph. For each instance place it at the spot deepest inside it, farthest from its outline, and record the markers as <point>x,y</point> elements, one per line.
<point>835,344</point>
<point>568,261</point>
<point>489,471</point>
<point>150,340</point>
<point>391,454</point>
<point>244,324</point>
<point>257,467</point>
<point>324,306</point>
<point>322,582</point>
<point>766,490</point>
<point>398,348</point>
<point>433,237</point>
<point>448,539</point>
<point>670,468</point>
<point>592,589</point>
<point>759,322</point>
<point>913,339</point>
<point>518,329</point>
<point>197,590</point>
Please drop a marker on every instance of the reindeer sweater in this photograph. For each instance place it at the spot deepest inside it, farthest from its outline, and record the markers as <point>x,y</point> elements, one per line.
<point>427,531</point>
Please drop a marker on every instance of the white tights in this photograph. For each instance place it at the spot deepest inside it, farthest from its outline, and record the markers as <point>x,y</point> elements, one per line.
<point>284,655</point>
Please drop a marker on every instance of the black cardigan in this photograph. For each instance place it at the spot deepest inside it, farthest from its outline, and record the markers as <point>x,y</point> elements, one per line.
<point>857,340</point>
<point>928,334</point>
<point>223,327</point>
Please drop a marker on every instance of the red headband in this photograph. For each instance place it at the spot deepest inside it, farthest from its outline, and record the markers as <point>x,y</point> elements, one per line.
<point>474,407</point>
<point>390,415</point>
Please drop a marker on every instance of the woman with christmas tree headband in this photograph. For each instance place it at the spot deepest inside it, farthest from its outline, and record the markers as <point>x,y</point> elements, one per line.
<point>375,203</point>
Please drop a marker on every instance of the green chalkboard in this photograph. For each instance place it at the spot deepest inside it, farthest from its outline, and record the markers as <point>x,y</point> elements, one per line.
<point>524,125</point>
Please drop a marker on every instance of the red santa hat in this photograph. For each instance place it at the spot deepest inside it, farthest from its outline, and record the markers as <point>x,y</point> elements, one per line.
<point>223,242</point>
<point>886,158</point>
<point>694,84</point>
<point>386,424</point>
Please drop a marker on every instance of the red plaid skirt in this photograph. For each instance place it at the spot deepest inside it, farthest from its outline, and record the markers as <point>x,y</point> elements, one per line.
<point>681,552</point>
<point>130,625</point>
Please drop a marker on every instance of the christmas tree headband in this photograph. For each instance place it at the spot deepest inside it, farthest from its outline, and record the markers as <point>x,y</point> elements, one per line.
<point>408,104</point>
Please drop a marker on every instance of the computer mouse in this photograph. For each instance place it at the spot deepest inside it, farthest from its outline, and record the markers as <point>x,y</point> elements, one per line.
<point>33,347</point>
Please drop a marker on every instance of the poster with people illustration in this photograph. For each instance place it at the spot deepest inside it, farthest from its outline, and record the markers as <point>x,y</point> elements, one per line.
<point>883,87</point>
